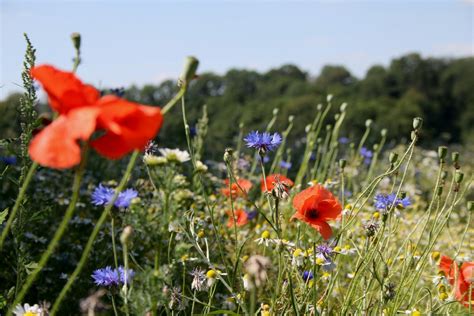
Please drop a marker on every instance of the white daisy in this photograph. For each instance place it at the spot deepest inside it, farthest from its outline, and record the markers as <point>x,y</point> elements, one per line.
<point>27,310</point>
<point>175,155</point>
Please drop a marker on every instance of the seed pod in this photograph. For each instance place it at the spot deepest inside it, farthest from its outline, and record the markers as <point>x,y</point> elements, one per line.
<point>368,123</point>
<point>190,68</point>
<point>417,123</point>
<point>458,176</point>
<point>442,151</point>
<point>383,132</point>
<point>393,157</point>
<point>343,107</point>
<point>76,40</point>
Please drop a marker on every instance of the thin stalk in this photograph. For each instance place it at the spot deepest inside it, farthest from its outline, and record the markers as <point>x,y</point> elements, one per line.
<point>93,236</point>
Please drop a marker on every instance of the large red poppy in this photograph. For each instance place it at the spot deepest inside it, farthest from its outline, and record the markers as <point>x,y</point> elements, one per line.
<point>245,184</point>
<point>124,126</point>
<point>459,278</point>
<point>315,206</point>
<point>241,218</point>
<point>273,179</point>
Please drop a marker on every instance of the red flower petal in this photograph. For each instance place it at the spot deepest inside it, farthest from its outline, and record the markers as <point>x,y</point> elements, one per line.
<point>64,89</point>
<point>323,228</point>
<point>129,126</point>
<point>271,179</point>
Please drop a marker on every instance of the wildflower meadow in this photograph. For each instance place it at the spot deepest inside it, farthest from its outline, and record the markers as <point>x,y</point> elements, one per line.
<point>100,218</point>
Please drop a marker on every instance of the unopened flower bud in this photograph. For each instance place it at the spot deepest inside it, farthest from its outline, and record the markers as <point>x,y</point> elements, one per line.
<point>290,118</point>
<point>444,175</point>
<point>329,97</point>
<point>383,132</point>
<point>275,111</point>
<point>458,176</point>
<point>343,107</point>
<point>393,157</point>
<point>336,116</point>
<point>342,163</point>
<point>368,123</point>
<point>319,140</point>
<point>190,68</point>
<point>376,147</point>
<point>439,191</point>
<point>455,159</point>
<point>328,127</point>
<point>442,151</point>
<point>319,107</point>
<point>126,233</point>
<point>228,155</point>
<point>417,123</point>
<point>470,205</point>
<point>241,125</point>
<point>76,40</point>
<point>307,128</point>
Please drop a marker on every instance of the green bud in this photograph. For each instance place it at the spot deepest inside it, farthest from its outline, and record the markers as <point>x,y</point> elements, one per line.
<point>444,175</point>
<point>76,40</point>
<point>228,155</point>
<point>319,107</point>
<point>375,147</point>
<point>190,67</point>
<point>319,140</point>
<point>342,163</point>
<point>352,145</point>
<point>336,116</point>
<point>368,123</point>
<point>439,191</point>
<point>328,127</point>
<point>455,156</point>
<point>241,125</point>
<point>442,151</point>
<point>126,233</point>
<point>383,132</point>
<point>417,123</point>
<point>393,157</point>
<point>275,111</point>
<point>307,128</point>
<point>470,205</point>
<point>290,118</point>
<point>343,107</point>
<point>458,176</point>
<point>329,98</point>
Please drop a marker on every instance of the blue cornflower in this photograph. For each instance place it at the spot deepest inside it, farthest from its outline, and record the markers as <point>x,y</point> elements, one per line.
<point>307,275</point>
<point>344,140</point>
<point>8,160</point>
<point>285,164</point>
<point>384,202</point>
<point>324,250</point>
<point>102,195</point>
<point>266,159</point>
<point>111,277</point>
<point>367,155</point>
<point>125,198</point>
<point>263,142</point>
<point>251,215</point>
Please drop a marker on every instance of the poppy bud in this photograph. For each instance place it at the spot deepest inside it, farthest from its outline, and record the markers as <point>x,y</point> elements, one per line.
<point>241,125</point>
<point>189,71</point>
<point>328,127</point>
<point>417,123</point>
<point>307,128</point>
<point>329,98</point>
<point>376,147</point>
<point>319,140</point>
<point>343,107</point>
<point>383,132</point>
<point>319,107</point>
<point>290,118</point>
<point>126,233</point>
<point>455,159</point>
<point>336,116</point>
<point>76,40</point>
<point>439,191</point>
<point>458,176</point>
<point>275,111</point>
<point>368,123</point>
<point>470,205</point>
<point>393,157</point>
<point>228,155</point>
<point>342,163</point>
<point>444,175</point>
<point>442,151</point>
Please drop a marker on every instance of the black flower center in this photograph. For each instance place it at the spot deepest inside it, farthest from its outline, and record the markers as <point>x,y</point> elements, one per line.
<point>312,214</point>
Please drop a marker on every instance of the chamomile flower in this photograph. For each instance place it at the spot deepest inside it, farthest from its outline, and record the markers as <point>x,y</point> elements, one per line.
<point>175,155</point>
<point>27,310</point>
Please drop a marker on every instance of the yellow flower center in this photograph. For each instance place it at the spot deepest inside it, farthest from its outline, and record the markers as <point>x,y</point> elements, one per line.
<point>30,314</point>
<point>211,274</point>
<point>266,234</point>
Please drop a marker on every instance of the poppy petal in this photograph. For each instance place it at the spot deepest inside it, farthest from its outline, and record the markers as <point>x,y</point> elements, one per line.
<point>128,126</point>
<point>323,228</point>
<point>65,91</point>
<point>330,209</point>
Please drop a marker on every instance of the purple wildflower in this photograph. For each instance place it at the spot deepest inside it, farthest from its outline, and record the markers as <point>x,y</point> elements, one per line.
<point>263,141</point>
<point>285,164</point>
<point>307,275</point>
<point>111,277</point>
<point>367,155</point>
<point>344,140</point>
<point>384,202</point>
<point>102,195</point>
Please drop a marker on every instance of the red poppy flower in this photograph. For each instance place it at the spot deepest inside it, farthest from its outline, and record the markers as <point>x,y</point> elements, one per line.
<point>315,206</point>
<point>459,278</point>
<point>241,218</point>
<point>245,184</point>
<point>273,179</point>
<point>125,126</point>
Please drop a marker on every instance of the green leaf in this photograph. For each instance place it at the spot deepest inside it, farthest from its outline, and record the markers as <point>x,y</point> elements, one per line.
<point>3,216</point>
<point>30,267</point>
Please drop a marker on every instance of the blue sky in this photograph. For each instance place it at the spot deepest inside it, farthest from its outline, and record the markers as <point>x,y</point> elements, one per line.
<point>140,41</point>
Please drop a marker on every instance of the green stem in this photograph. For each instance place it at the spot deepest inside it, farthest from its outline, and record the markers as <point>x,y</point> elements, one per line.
<point>18,202</point>
<point>93,236</point>
<point>58,235</point>
<point>114,249</point>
